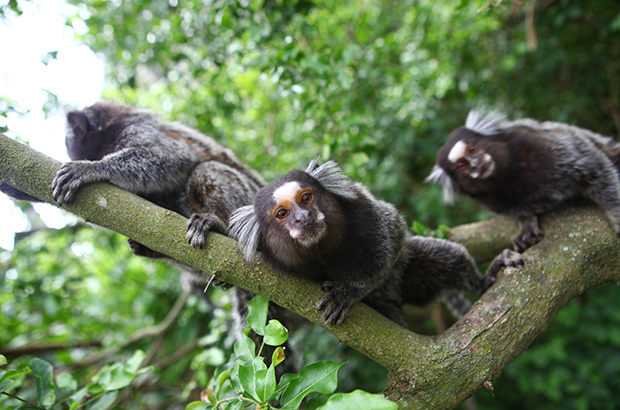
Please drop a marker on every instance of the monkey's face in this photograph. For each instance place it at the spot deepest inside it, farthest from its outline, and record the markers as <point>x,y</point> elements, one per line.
<point>296,212</point>
<point>469,159</point>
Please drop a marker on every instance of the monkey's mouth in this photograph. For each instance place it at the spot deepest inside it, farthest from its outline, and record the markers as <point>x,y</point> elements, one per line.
<point>483,168</point>
<point>310,233</point>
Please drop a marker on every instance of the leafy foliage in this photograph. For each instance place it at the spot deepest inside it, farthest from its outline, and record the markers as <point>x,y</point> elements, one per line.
<point>248,381</point>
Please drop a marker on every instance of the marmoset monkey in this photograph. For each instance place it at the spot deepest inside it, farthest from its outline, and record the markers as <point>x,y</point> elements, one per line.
<point>524,167</point>
<point>171,165</point>
<point>322,226</point>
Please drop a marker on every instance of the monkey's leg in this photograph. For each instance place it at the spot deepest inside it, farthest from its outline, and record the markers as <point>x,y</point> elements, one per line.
<point>529,232</point>
<point>17,194</point>
<point>215,190</point>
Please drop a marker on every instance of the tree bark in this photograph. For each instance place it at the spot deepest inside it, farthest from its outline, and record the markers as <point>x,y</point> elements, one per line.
<point>579,252</point>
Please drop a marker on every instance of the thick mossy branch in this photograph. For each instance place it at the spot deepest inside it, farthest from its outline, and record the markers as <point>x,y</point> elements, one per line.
<point>580,251</point>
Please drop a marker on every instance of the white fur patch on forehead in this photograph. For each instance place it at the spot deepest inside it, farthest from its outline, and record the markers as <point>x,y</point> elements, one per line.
<point>457,151</point>
<point>485,124</point>
<point>287,192</point>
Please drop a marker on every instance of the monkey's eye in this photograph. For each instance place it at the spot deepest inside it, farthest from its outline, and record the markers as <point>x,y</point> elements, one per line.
<point>472,149</point>
<point>460,164</point>
<point>306,198</point>
<point>282,213</point>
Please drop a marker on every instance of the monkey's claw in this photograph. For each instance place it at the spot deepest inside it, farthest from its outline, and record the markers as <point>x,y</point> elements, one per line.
<point>334,304</point>
<point>508,257</point>
<point>199,226</point>
<point>529,235</point>
<point>69,178</point>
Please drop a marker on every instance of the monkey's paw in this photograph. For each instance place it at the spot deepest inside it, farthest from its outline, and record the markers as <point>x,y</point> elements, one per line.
<point>199,226</point>
<point>529,235</point>
<point>69,178</point>
<point>335,304</point>
<point>140,250</point>
<point>508,257</point>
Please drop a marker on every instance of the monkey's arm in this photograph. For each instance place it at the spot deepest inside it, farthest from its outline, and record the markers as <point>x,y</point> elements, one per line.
<point>144,168</point>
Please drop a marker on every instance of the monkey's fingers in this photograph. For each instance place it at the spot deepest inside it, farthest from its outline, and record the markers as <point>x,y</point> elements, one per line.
<point>528,236</point>
<point>199,226</point>
<point>334,304</point>
<point>506,258</point>
<point>69,178</point>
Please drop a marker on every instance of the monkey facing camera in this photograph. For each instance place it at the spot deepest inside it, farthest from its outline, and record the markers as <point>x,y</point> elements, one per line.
<point>523,168</point>
<point>320,225</point>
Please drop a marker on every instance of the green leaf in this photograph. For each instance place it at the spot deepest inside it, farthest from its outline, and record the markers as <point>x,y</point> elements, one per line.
<point>2,360</point>
<point>76,398</point>
<point>114,377</point>
<point>266,384</point>
<point>198,405</point>
<point>275,333</point>
<point>245,349</point>
<point>321,377</point>
<point>10,377</point>
<point>257,314</point>
<point>358,399</point>
<point>66,381</point>
<point>248,375</point>
<point>44,372</point>
<point>105,402</point>
<point>134,363</point>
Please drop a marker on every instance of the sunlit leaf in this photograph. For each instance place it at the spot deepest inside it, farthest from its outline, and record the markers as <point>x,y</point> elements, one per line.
<point>44,373</point>
<point>275,333</point>
<point>356,400</point>
<point>321,377</point>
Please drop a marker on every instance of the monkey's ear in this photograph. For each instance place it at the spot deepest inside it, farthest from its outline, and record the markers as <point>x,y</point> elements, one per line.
<point>244,227</point>
<point>485,124</point>
<point>439,176</point>
<point>78,123</point>
<point>331,177</point>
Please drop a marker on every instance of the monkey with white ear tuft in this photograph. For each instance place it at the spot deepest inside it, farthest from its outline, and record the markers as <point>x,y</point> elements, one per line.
<point>523,168</point>
<point>322,226</point>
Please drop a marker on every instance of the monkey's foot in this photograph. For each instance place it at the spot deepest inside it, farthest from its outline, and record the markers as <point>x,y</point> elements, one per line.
<point>529,235</point>
<point>199,226</point>
<point>335,304</point>
<point>506,258</point>
<point>141,250</point>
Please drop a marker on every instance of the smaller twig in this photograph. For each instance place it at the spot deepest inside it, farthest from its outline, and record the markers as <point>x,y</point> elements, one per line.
<point>20,399</point>
<point>36,348</point>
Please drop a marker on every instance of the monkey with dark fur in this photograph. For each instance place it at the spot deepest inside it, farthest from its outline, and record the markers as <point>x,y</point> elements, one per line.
<point>322,226</point>
<point>171,165</point>
<point>523,168</point>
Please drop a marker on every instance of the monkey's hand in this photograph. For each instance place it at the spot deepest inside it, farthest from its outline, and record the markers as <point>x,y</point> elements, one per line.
<point>199,226</point>
<point>69,178</point>
<point>506,258</point>
<point>140,250</point>
<point>336,303</point>
<point>529,234</point>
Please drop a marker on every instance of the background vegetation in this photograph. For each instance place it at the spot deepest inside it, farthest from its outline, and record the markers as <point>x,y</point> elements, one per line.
<point>375,85</point>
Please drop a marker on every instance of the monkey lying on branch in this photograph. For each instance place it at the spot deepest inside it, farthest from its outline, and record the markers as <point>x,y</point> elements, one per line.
<point>524,167</point>
<point>322,226</point>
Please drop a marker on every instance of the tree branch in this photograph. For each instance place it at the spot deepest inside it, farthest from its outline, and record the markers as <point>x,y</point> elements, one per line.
<point>580,251</point>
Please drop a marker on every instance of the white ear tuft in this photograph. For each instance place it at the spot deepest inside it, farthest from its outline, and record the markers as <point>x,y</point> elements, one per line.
<point>485,124</point>
<point>243,226</point>
<point>331,177</point>
<point>439,176</point>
